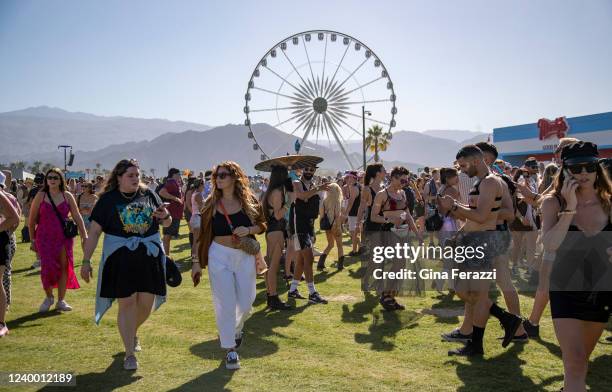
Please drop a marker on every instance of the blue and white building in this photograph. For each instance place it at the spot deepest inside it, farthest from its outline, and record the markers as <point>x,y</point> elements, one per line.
<point>518,142</point>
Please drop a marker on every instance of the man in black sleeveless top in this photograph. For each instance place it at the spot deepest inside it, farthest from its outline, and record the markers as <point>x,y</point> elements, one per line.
<point>302,216</point>
<point>485,201</point>
<point>352,208</point>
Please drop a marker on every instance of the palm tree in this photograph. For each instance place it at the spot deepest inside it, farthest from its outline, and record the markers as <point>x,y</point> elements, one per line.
<point>35,167</point>
<point>46,167</point>
<point>377,140</point>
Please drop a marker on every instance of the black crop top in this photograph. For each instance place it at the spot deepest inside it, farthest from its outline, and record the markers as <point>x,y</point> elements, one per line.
<point>476,192</point>
<point>220,226</point>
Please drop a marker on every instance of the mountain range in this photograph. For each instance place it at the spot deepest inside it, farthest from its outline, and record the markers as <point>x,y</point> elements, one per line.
<point>41,129</point>
<point>31,134</point>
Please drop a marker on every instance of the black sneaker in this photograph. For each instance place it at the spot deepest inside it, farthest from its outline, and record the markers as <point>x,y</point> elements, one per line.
<point>456,336</point>
<point>609,339</point>
<point>274,302</point>
<point>232,360</point>
<point>315,298</point>
<point>469,350</point>
<point>340,263</point>
<point>238,339</point>
<point>295,294</point>
<point>510,323</point>
<point>532,330</point>
<point>353,253</point>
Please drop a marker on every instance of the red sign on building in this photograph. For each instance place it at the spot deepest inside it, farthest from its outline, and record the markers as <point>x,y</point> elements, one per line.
<point>558,127</point>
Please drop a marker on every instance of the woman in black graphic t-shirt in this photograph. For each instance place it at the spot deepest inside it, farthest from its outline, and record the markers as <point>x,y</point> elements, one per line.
<point>132,271</point>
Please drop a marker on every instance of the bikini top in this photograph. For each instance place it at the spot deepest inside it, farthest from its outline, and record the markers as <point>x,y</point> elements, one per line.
<point>393,204</point>
<point>476,191</point>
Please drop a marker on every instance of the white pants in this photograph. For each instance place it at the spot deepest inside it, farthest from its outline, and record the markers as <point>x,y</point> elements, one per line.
<point>232,279</point>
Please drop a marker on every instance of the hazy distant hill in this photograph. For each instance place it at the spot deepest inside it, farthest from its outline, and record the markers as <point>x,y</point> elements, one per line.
<point>41,129</point>
<point>201,150</point>
<point>33,134</point>
<point>456,135</point>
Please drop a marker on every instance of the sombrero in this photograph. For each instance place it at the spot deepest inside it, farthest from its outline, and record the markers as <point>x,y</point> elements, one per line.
<point>289,161</point>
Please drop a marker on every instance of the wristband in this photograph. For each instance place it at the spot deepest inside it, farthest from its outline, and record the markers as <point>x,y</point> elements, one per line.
<point>566,212</point>
<point>455,206</point>
<point>165,217</point>
<point>86,262</point>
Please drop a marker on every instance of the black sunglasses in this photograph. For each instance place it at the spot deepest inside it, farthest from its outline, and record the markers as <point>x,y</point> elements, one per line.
<point>222,175</point>
<point>591,167</point>
<point>53,178</point>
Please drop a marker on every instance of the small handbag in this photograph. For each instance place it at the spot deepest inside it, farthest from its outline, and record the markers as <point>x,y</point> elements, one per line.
<point>69,228</point>
<point>173,274</point>
<point>324,223</point>
<point>246,244</point>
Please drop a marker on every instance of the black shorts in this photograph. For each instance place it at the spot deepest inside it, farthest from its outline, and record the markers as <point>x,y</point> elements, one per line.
<point>7,248</point>
<point>581,305</point>
<point>306,240</point>
<point>488,242</point>
<point>173,229</point>
<point>127,272</point>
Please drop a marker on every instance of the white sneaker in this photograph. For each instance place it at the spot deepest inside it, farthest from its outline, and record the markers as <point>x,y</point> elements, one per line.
<point>46,305</point>
<point>63,306</point>
<point>232,360</point>
<point>36,264</point>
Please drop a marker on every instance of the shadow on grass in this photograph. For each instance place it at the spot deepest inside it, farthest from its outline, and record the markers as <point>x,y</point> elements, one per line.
<point>18,323</point>
<point>110,379</point>
<point>255,345</point>
<point>503,372</point>
<point>385,326</point>
<point>27,269</point>
<point>360,311</point>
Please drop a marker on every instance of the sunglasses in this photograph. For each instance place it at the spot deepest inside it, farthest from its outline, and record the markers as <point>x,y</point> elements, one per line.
<point>309,170</point>
<point>222,175</point>
<point>591,167</point>
<point>53,178</point>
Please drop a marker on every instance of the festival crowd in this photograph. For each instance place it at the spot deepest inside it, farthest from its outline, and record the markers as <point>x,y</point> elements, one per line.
<point>525,214</point>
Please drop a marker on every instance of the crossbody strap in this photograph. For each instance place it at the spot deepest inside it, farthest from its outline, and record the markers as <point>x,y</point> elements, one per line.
<point>62,221</point>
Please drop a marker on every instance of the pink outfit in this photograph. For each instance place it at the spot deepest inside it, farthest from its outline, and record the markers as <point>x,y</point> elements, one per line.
<point>49,242</point>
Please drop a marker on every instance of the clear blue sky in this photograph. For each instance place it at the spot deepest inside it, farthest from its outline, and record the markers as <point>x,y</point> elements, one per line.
<point>455,64</point>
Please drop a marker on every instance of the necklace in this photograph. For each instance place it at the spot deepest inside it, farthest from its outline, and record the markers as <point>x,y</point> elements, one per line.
<point>587,203</point>
<point>128,197</point>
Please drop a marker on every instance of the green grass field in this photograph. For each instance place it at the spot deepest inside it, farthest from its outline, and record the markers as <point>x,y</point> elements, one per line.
<point>351,344</point>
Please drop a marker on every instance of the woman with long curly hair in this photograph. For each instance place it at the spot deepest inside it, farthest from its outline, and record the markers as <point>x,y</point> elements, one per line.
<point>49,211</point>
<point>132,269</point>
<point>230,213</point>
<point>577,220</point>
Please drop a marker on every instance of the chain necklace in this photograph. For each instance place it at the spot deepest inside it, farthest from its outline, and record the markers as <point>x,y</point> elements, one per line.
<point>587,203</point>
<point>128,197</point>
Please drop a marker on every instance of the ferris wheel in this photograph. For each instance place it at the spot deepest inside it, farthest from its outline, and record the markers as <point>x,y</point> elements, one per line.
<point>315,87</point>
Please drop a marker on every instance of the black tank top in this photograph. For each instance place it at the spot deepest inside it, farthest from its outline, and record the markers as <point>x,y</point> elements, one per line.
<point>582,256</point>
<point>220,226</point>
<point>355,207</point>
<point>476,192</point>
<point>369,225</point>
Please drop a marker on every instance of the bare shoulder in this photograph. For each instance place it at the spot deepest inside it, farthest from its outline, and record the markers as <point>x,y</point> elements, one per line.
<point>550,203</point>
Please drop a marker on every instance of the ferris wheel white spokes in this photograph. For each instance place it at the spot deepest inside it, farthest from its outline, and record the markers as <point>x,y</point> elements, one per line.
<point>314,94</point>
